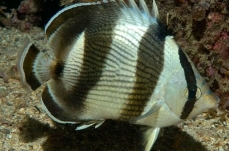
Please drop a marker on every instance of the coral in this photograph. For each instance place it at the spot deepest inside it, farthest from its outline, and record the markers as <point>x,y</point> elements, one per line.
<point>200,10</point>
<point>210,71</point>
<point>13,21</point>
<point>69,2</point>
<point>214,18</point>
<point>221,44</point>
<point>29,6</point>
<point>24,17</point>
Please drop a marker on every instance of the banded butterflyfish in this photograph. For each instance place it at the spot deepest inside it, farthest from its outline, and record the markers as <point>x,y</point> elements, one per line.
<point>113,60</point>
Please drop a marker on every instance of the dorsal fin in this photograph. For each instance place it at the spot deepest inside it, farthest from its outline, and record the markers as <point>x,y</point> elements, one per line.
<point>66,13</point>
<point>66,26</point>
<point>143,7</point>
<point>154,11</point>
<point>132,4</point>
<point>121,4</point>
<point>138,14</point>
<point>60,17</point>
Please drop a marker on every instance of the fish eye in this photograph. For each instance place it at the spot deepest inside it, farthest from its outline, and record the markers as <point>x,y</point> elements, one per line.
<point>187,93</point>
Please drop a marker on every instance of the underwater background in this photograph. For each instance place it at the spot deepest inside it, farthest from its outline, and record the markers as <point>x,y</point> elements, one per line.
<point>201,27</point>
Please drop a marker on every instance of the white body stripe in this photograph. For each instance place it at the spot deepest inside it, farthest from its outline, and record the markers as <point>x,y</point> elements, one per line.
<point>74,63</point>
<point>50,115</point>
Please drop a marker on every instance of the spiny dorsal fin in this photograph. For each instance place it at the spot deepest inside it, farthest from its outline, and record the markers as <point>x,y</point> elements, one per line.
<point>154,11</point>
<point>121,4</point>
<point>132,4</point>
<point>143,7</point>
<point>138,14</point>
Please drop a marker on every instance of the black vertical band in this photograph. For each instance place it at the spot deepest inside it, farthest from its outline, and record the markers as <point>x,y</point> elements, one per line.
<point>191,84</point>
<point>149,66</point>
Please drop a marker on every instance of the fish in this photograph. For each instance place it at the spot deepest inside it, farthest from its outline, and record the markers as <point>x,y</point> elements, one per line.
<point>114,59</point>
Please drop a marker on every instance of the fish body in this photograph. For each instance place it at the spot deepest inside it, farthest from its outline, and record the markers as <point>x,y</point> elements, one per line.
<point>112,60</point>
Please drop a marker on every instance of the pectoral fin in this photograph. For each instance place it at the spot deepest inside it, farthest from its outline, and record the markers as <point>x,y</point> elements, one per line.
<point>153,109</point>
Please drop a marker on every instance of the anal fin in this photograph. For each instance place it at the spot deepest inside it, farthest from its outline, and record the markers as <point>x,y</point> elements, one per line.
<point>53,108</point>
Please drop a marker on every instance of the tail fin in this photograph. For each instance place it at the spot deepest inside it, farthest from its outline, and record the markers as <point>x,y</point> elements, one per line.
<point>34,65</point>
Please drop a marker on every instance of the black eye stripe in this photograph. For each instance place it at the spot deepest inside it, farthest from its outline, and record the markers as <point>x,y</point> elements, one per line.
<point>191,84</point>
<point>191,94</point>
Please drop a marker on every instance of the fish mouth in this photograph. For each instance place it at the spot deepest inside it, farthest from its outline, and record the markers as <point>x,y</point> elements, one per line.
<point>213,99</point>
<point>207,101</point>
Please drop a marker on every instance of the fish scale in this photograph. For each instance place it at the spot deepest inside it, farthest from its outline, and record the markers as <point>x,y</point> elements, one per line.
<point>114,60</point>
